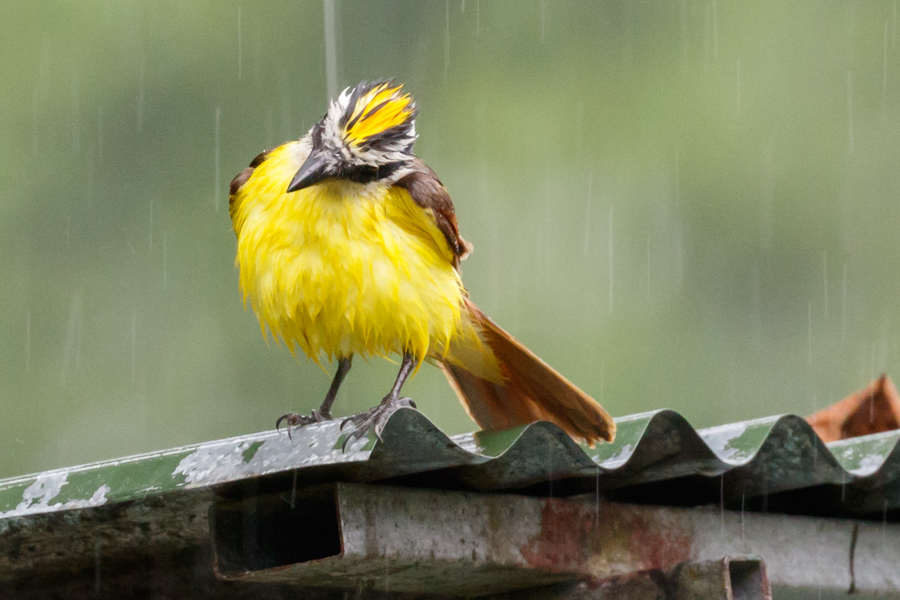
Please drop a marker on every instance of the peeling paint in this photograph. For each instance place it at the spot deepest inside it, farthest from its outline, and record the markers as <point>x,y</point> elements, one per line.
<point>250,452</point>
<point>738,442</point>
<point>38,496</point>
<point>755,458</point>
<point>618,459</point>
<point>250,456</point>
<point>864,456</point>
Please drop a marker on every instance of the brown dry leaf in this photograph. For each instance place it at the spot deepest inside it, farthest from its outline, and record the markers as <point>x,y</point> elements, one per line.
<point>873,409</point>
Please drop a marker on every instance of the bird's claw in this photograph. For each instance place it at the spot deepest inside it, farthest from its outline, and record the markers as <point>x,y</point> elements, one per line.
<point>297,420</point>
<point>374,419</point>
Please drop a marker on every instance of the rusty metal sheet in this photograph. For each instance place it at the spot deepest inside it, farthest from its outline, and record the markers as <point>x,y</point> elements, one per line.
<point>759,458</point>
<point>57,520</point>
<point>728,578</point>
<point>400,539</point>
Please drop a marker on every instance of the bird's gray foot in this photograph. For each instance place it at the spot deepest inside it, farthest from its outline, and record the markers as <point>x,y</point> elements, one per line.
<point>375,418</point>
<point>297,420</point>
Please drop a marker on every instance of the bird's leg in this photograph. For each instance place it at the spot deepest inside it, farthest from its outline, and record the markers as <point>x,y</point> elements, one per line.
<point>406,367</point>
<point>324,412</point>
<point>376,417</point>
<point>343,368</point>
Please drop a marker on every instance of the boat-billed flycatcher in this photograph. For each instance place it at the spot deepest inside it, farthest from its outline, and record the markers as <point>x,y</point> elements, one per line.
<point>348,244</point>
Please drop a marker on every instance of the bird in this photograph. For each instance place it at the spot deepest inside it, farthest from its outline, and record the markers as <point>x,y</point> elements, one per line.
<point>348,244</point>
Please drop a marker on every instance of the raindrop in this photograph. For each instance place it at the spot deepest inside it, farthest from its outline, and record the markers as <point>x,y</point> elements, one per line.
<point>825,278</point>
<point>478,16</point>
<point>462,6</point>
<point>648,265</point>
<point>216,187</point>
<point>743,497</point>
<point>871,409</point>
<point>597,499</point>
<point>73,117</point>
<point>680,253</point>
<point>164,259</point>
<point>543,4</point>
<point>150,236</point>
<point>707,29</point>
<point>850,112</point>
<point>140,98</point>
<point>294,491</point>
<point>587,215</point>
<point>610,258</point>
<point>579,120</point>
<point>815,446</point>
<point>683,29</point>
<point>715,32</point>
<point>34,124</point>
<point>844,307</point>
<point>27,340</point>
<point>133,346</point>
<point>447,43</point>
<point>809,332</point>
<point>677,183</point>
<point>240,50</point>
<point>99,135</point>
<point>330,49</point>
<point>884,512</point>
<point>872,362</point>
<point>601,383</point>
<point>547,219</point>
<point>72,344</point>
<point>884,74</point>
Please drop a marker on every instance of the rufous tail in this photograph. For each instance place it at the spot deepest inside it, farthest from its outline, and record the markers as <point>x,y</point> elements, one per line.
<point>502,384</point>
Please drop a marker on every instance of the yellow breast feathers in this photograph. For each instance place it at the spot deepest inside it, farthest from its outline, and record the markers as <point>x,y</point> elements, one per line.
<point>342,268</point>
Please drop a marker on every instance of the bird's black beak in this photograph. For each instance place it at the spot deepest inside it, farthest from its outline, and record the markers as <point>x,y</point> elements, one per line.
<point>311,173</point>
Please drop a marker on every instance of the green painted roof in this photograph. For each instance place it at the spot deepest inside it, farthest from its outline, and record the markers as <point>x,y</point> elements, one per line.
<point>776,463</point>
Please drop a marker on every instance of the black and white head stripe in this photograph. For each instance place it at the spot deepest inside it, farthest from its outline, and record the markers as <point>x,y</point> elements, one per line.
<point>373,124</point>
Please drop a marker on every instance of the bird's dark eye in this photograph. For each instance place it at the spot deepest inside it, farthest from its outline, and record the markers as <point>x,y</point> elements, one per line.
<point>360,173</point>
<point>368,173</point>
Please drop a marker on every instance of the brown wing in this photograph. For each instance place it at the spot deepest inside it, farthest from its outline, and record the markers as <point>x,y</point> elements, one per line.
<point>428,192</point>
<point>241,178</point>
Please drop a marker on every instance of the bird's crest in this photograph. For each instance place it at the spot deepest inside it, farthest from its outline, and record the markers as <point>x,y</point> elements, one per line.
<point>372,113</point>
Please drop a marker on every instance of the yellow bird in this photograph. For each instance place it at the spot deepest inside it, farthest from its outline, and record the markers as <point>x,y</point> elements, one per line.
<point>347,244</point>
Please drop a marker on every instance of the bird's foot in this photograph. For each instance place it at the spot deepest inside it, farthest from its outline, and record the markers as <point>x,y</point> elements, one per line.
<point>297,420</point>
<point>375,418</point>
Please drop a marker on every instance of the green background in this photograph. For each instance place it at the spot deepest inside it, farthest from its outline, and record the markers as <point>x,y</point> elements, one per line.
<point>684,204</point>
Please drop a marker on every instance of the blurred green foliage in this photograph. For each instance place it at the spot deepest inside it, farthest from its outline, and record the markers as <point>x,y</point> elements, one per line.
<point>678,204</point>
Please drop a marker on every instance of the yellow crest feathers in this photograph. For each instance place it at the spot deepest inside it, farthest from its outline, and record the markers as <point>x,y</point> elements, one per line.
<point>376,108</point>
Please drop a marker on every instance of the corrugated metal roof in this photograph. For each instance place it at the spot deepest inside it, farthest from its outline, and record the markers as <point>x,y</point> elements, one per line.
<point>775,463</point>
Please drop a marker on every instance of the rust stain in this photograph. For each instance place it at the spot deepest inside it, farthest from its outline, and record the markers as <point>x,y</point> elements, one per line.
<point>656,545</point>
<point>563,542</point>
<point>573,540</point>
<point>873,409</point>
